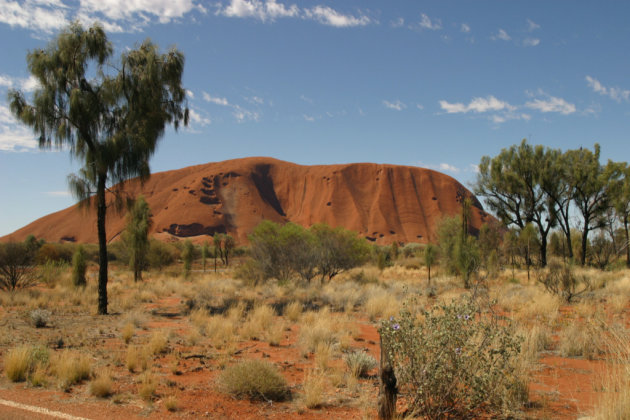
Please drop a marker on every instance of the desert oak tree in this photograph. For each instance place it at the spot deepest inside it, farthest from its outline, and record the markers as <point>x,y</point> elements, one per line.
<point>109,115</point>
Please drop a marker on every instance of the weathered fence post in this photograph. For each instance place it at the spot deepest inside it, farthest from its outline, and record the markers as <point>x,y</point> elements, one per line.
<point>387,392</point>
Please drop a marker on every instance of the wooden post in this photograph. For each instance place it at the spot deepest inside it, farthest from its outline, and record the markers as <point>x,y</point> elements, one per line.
<point>387,392</point>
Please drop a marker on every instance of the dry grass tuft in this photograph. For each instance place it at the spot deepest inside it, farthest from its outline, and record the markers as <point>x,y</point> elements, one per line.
<point>102,385</point>
<point>254,380</point>
<point>293,311</point>
<point>171,404</point>
<point>147,386</point>
<point>17,363</point>
<point>127,332</point>
<point>314,388</point>
<point>70,368</point>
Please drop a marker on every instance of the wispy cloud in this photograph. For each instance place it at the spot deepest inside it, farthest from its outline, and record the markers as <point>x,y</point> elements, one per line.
<point>115,15</point>
<point>27,85</point>
<point>396,105</point>
<point>14,137</point>
<point>614,93</point>
<point>477,105</point>
<point>551,104</point>
<point>531,42</point>
<point>215,99</point>
<point>198,119</point>
<point>329,16</point>
<point>501,35</point>
<point>427,23</point>
<point>271,10</point>
<point>308,118</point>
<point>465,28</point>
<point>398,23</point>
<point>532,26</point>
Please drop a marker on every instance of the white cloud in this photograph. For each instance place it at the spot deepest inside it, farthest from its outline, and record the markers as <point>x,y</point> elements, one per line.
<point>420,106</point>
<point>477,105</point>
<point>551,104</point>
<point>427,23</point>
<point>398,23</point>
<point>532,26</point>
<point>501,35</point>
<point>190,94</point>
<point>614,93</point>
<point>115,15</point>
<point>242,115</point>
<point>215,99</point>
<point>397,105</point>
<point>256,100</point>
<point>473,168</point>
<point>265,11</point>
<point>197,119</point>
<point>465,28</point>
<point>306,99</point>
<point>328,16</point>
<point>27,85</point>
<point>34,15</point>
<point>448,168</point>
<point>6,81</point>
<point>531,42</point>
<point>14,137</point>
<point>308,118</point>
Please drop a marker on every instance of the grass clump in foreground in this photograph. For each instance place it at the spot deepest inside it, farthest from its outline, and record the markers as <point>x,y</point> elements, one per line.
<point>254,380</point>
<point>455,360</point>
<point>20,362</point>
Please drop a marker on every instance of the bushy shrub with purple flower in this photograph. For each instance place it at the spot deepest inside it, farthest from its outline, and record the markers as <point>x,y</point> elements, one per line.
<point>454,360</point>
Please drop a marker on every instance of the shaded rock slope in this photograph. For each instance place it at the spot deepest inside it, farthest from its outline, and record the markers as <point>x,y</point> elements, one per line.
<point>383,203</point>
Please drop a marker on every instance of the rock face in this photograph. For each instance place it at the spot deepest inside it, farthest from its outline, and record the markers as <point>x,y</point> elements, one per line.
<point>383,203</point>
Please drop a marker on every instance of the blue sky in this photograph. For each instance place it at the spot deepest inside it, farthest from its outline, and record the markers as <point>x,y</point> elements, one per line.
<point>437,84</point>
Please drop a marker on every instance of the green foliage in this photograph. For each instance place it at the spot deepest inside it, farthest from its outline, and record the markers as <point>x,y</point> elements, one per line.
<point>16,266</point>
<point>467,258</point>
<point>359,363</point>
<point>339,250</point>
<point>393,251</point>
<point>490,235</point>
<point>109,115</point>
<point>204,254</point>
<point>559,279</point>
<point>79,267</point>
<point>449,232</point>
<point>161,254</point>
<point>188,256</point>
<point>254,380</point>
<point>454,360</point>
<point>430,256</point>
<point>136,236</point>
<point>224,245</point>
<point>289,250</point>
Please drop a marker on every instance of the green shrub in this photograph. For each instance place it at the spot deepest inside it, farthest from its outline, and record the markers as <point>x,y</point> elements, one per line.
<point>254,380</point>
<point>188,255</point>
<point>454,361</point>
<point>79,267</point>
<point>161,254</point>
<point>359,363</point>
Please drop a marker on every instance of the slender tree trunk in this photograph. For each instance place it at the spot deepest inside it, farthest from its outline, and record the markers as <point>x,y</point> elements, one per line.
<point>569,247</point>
<point>543,250</point>
<point>387,392</point>
<point>584,243</point>
<point>625,226</point>
<point>429,275</point>
<point>102,246</point>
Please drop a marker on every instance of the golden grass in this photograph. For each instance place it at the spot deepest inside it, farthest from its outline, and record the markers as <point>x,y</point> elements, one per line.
<point>293,311</point>
<point>171,404</point>
<point>17,363</point>
<point>257,322</point>
<point>70,368</point>
<point>158,344</point>
<point>314,389</point>
<point>102,385</point>
<point>128,332</point>
<point>147,386</point>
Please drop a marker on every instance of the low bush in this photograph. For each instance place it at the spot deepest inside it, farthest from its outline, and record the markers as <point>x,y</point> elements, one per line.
<point>40,318</point>
<point>359,363</point>
<point>17,363</point>
<point>254,380</point>
<point>454,361</point>
<point>71,368</point>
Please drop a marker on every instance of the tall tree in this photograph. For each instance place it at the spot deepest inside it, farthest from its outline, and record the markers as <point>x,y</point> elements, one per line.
<point>559,188</point>
<point>512,185</point>
<point>136,236</point>
<point>592,182</point>
<point>110,117</point>
<point>620,192</point>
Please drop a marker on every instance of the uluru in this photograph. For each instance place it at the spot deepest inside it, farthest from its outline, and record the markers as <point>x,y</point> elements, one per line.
<point>383,203</point>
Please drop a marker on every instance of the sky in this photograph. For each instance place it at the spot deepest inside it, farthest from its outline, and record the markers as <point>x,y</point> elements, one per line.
<point>436,84</point>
